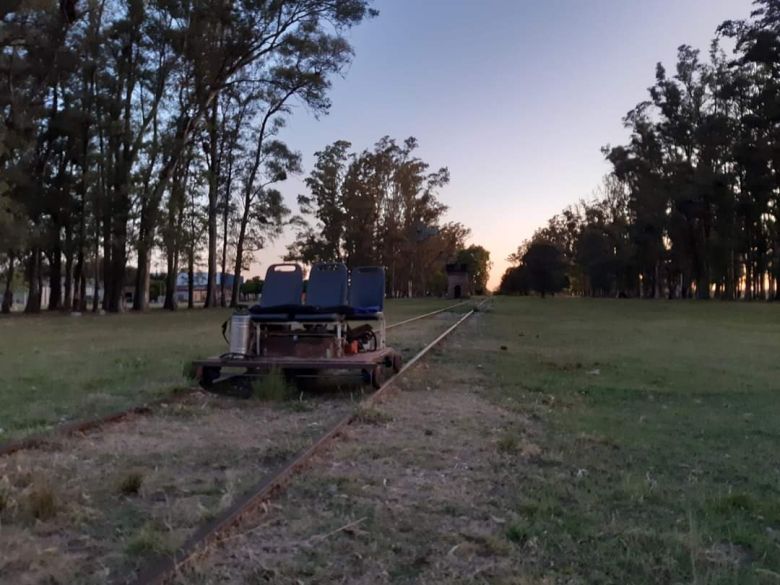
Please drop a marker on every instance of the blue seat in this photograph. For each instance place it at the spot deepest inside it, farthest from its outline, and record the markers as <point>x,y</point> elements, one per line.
<point>281,296</point>
<point>326,294</point>
<point>367,293</point>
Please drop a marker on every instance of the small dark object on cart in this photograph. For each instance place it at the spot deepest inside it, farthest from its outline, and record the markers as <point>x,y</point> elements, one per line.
<point>340,326</point>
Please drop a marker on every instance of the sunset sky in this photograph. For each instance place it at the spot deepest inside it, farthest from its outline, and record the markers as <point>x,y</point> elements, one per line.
<point>516,97</point>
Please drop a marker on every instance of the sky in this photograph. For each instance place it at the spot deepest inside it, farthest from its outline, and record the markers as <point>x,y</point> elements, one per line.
<point>515,97</point>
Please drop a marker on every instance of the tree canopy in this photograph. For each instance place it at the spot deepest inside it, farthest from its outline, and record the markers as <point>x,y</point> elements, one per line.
<point>135,125</point>
<point>379,207</point>
<point>477,261</point>
<point>692,205</point>
<point>541,268</point>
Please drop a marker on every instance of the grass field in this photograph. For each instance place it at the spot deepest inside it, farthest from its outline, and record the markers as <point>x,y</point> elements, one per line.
<point>659,426</point>
<point>56,367</point>
<point>627,441</point>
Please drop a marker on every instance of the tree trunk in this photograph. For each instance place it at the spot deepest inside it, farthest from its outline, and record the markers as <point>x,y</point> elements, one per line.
<point>96,286</point>
<point>33,282</point>
<point>237,274</point>
<point>68,300</point>
<point>211,284</point>
<point>8,295</point>
<point>107,259</point>
<point>55,277</point>
<point>191,279</point>
<point>82,284</point>
<point>239,255</point>
<point>79,276</point>
<point>170,281</point>
<point>222,299</point>
<point>175,219</point>
<point>115,279</point>
<point>143,274</point>
<point>96,268</point>
<point>225,221</point>
<point>145,240</point>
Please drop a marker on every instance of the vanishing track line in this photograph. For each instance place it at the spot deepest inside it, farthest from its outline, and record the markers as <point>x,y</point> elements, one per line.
<point>41,439</point>
<point>167,567</point>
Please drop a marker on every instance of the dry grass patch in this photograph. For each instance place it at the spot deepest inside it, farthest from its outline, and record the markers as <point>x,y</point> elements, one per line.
<point>101,505</point>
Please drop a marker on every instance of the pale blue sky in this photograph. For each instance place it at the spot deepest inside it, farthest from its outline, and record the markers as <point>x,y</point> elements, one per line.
<point>515,97</point>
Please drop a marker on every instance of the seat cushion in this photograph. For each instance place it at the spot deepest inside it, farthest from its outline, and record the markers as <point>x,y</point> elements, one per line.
<point>319,318</point>
<point>366,310</point>
<point>271,318</point>
<point>275,310</point>
<point>365,316</point>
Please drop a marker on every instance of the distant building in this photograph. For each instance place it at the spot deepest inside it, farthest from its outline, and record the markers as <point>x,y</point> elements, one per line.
<point>458,281</point>
<point>200,279</point>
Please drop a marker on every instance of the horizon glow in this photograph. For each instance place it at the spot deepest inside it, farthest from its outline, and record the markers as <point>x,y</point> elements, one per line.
<point>516,98</point>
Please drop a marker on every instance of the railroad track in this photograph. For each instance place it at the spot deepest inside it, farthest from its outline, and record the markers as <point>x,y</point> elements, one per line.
<point>164,569</point>
<point>71,428</point>
<point>425,316</point>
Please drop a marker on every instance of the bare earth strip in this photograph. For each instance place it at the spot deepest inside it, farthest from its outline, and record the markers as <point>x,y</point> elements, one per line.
<point>417,492</point>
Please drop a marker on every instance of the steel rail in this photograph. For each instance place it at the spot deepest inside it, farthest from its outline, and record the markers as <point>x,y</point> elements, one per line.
<point>165,568</point>
<point>431,314</point>
<point>68,429</point>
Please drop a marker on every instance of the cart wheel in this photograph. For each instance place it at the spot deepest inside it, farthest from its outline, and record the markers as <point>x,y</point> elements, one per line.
<point>398,362</point>
<point>240,387</point>
<point>209,375</point>
<point>378,376</point>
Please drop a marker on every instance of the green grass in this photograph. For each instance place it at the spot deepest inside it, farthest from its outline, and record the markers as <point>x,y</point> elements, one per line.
<point>272,387</point>
<point>659,428</point>
<point>56,367</point>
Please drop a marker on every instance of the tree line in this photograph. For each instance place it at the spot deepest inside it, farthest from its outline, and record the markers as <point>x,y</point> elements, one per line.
<point>135,126</point>
<point>691,208</point>
<point>381,207</point>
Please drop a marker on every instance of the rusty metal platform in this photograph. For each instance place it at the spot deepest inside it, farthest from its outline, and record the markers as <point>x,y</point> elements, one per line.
<point>357,361</point>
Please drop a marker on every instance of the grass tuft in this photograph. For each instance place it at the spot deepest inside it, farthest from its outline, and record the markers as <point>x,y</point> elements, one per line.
<point>148,540</point>
<point>189,371</point>
<point>271,388</point>
<point>517,534</point>
<point>41,502</point>
<point>508,443</point>
<point>6,500</point>
<point>130,484</point>
<point>371,415</point>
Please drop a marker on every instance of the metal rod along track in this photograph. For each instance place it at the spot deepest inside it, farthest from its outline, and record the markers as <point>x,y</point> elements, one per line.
<point>431,314</point>
<point>83,426</point>
<point>166,567</point>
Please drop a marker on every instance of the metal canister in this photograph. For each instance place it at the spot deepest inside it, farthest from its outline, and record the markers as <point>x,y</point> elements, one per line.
<point>239,333</point>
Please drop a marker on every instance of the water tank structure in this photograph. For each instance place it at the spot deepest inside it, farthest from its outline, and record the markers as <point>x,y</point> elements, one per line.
<point>458,281</point>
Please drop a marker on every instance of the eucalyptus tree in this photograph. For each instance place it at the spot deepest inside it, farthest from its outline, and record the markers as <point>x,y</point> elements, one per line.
<point>33,69</point>
<point>262,209</point>
<point>280,48</point>
<point>101,103</point>
<point>324,240</point>
<point>379,206</point>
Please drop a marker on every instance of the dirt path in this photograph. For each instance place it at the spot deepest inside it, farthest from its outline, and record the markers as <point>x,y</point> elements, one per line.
<point>415,493</point>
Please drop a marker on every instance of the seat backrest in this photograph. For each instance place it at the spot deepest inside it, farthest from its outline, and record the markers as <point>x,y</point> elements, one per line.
<point>283,286</point>
<point>367,288</point>
<point>327,286</point>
